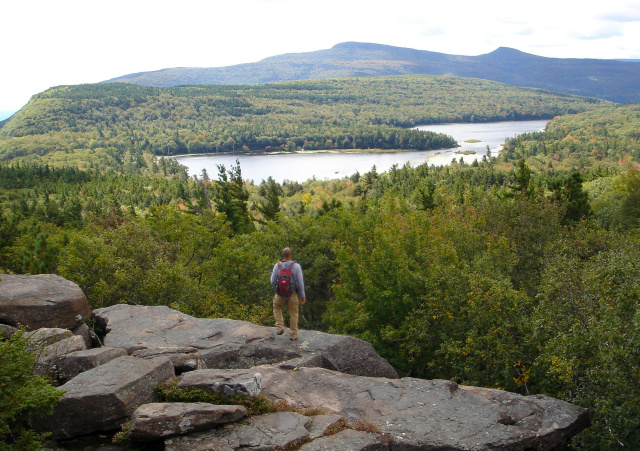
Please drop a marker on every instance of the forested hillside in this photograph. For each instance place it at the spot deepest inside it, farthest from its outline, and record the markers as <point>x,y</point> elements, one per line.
<point>517,271</point>
<point>606,79</point>
<point>105,125</point>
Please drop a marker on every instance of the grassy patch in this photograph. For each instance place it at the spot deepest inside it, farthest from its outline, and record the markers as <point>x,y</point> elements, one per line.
<point>168,391</point>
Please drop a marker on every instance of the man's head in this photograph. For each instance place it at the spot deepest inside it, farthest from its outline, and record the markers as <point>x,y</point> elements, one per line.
<point>286,253</point>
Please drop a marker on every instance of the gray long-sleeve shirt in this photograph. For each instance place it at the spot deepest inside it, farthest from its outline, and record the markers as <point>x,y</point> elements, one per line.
<point>296,270</point>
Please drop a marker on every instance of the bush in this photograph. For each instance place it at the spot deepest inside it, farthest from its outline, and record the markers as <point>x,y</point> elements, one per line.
<point>22,395</point>
<point>255,404</point>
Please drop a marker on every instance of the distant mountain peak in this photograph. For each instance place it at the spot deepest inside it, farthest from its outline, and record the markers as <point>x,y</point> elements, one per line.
<point>354,45</point>
<point>605,79</point>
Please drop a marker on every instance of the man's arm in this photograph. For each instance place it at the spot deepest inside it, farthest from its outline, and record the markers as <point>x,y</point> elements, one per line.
<point>297,273</point>
<point>274,274</point>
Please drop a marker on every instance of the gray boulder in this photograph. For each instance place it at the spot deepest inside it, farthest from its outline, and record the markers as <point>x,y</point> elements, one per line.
<point>70,365</point>
<point>264,432</point>
<point>103,398</point>
<point>46,336</point>
<point>183,358</point>
<point>431,414</point>
<point>348,440</point>
<point>7,331</point>
<point>89,337</point>
<point>225,343</point>
<point>49,344</point>
<point>44,300</point>
<point>225,382</point>
<point>159,420</point>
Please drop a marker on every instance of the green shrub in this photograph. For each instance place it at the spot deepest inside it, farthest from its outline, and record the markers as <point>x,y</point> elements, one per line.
<point>255,404</point>
<point>22,395</point>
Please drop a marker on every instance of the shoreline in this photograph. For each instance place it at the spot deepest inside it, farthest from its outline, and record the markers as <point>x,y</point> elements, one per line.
<point>304,152</point>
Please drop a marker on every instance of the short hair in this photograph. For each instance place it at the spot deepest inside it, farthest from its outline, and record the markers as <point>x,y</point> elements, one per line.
<point>286,252</point>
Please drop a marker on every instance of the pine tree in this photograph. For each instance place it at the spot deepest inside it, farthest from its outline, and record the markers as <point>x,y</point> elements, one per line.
<point>523,180</point>
<point>577,200</point>
<point>269,207</point>
<point>231,198</point>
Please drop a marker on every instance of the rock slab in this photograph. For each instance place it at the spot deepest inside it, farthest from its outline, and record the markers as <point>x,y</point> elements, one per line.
<point>44,300</point>
<point>348,440</point>
<point>103,398</point>
<point>431,414</point>
<point>263,432</point>
<point>225,382</point>
<point>159,420</point>
<point>225,343</point>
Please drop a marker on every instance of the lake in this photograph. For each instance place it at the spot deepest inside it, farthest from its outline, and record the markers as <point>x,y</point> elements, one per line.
<point>302,166</point>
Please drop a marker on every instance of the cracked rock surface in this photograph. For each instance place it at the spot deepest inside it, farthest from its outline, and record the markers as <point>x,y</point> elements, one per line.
<point>263,432</point>
<point>158,420</point>
<point>226,343</point>
<point>431,414</point>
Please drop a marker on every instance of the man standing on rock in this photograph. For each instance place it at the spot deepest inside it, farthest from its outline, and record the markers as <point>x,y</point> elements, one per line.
<point>287,279</point>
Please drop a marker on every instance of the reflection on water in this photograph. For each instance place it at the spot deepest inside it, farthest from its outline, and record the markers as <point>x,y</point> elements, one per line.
<point>303,166</point>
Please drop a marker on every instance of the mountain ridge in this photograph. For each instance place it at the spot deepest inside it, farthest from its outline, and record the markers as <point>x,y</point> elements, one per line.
<point>614,80</point>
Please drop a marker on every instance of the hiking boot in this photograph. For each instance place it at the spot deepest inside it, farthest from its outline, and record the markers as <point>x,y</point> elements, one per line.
<point>280,332</point>
<point>293,338</point>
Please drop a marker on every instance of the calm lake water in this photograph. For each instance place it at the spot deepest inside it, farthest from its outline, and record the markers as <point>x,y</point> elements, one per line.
<point>324,165</point>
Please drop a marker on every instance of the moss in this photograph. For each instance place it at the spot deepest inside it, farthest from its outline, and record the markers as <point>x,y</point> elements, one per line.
<point>255,404</point>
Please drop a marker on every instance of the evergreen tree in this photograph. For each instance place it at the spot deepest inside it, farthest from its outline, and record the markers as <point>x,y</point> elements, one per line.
<point>522,179</point>
<point>231,198</point>
<point>425,195</point>
<point>270,205</point>
<point>577,200</point>
<point>42,259</point>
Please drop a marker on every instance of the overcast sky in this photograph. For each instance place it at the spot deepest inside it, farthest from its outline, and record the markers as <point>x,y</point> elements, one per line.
<point>47,43</point>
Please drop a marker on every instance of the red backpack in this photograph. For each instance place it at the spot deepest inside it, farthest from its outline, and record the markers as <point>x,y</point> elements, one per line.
<point>285,283</point>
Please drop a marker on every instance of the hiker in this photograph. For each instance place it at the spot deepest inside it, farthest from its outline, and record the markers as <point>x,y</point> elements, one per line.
<point>287,279</point>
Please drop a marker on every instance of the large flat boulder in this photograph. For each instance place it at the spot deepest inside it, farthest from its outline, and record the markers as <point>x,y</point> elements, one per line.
<point>271,431</point>
<point>104,397</point>
<point>156,421</point>
<point>431,414</point>
<point>225,343</point>
<point>44,300</point>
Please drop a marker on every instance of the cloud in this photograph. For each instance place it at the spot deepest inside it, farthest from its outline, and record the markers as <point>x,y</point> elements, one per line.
<point>621,17</point>
<point>432,31</point>
<point>605,32</point>
<point>528,31</point>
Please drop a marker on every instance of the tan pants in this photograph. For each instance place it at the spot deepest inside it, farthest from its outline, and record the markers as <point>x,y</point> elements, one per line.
<point>292,304</point>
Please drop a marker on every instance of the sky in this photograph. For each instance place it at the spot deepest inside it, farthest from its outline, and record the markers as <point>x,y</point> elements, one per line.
<point>49,43</point>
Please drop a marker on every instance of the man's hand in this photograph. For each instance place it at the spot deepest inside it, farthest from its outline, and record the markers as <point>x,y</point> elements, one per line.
<point>303,300</point>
